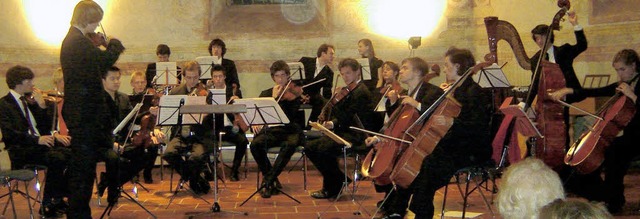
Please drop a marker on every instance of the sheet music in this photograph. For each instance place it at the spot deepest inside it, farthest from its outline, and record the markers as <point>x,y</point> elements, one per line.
<point>206,63</point>
<point>297,70</point>
<point>169,109</point>
<point>366,69</point>
<point>218,96</point>
<point>491,77</point>
<point>166,73</point>
<point>269,109</point>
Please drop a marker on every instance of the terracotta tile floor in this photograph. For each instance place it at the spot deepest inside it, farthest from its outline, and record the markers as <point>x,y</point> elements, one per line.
<point>279,206</point>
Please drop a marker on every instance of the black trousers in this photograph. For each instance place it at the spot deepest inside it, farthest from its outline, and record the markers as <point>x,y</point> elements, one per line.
<point>55,159</point>
<point>131,161</point>
<point>240,140</point>
<point>87,148</point>
<point>281,137</point>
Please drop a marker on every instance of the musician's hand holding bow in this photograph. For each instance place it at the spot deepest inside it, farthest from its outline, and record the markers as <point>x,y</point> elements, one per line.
<point>328,124</point>
<point>371,141</point>
<point>559,95</point>
<point>627,91</point>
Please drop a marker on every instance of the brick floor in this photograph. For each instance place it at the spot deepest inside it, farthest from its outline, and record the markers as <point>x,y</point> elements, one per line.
<point>232,194</point>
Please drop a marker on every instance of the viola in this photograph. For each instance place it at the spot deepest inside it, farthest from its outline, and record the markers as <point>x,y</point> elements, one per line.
<point>291,92</point>
<point>98,39</point>
<point>338,96</point>
<point>147,124</point>
<point>587,153</point>
<point>237,119</point>
<point>199,90</point>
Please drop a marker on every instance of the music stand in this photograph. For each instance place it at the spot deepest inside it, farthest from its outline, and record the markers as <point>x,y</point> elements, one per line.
<point>107,210</point>
<point>206,64</point>
<point>214,109</point>
<point>264,111</point>
<point>168,75</point>
<point>366,69</point>
<point>296,68</point>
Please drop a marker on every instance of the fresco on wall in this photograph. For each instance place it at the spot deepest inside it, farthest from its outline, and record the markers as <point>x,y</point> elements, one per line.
<point>613,11</point>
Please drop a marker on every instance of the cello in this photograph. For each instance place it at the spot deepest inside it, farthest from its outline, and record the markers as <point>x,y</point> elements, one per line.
<point>379,162</point>
<point>409,164</point>
<point>587,153</point>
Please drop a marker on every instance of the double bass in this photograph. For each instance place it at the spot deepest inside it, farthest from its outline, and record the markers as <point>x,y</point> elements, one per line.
<point>380,160</point>
<point>587,153</point>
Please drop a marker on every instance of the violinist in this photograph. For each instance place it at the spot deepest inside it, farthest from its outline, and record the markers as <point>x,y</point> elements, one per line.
<point>390,72</point>
<point>27,138</point>
<point>422,96</point>
<point>198,143</point>
<point>225,122</point>
<point>287,137</point>
<point>365,49</point>
<point>353,105</point>
<point>466,143</point>
<point>138,83</point>
<point>623,149</point>
<point>317,69</point>
<point>85,110</point>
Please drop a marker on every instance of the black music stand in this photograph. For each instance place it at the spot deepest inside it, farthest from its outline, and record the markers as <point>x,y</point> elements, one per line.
<point>264,111</point>
<point>121,125</point>
<point>206,64</point>
<point>214,109</point>
<point>346,145</point>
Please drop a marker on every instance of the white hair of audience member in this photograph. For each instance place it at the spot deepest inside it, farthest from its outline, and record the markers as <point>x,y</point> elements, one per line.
<point>574,209</point>
<point>526,187</point>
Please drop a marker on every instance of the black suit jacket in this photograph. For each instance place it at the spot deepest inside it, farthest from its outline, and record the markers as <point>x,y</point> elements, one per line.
<point>15,127</point>
<point>85,108</point>
<point>564,56</point>
<point>353,110</point>
<point>309,70</point>
<point>374,64</point>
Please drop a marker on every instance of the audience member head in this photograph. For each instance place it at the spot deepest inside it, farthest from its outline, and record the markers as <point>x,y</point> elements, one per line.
<point>526,187</point>
<point>574,209</point>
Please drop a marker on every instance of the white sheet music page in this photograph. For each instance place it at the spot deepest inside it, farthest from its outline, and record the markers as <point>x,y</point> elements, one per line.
<point>168,114</point>
<point>166,73</point>
<point>218,96</point>
<point>206,63</point>
<point>194,118</point>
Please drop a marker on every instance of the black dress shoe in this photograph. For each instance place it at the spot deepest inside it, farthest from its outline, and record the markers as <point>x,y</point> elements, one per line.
<point>48,210</point>
<point>393,216</point>
<point>234,176</point>
<point>102,185</point>
<point>277,184</point>
<point>267,191</point>
<point>323,194</point>
<point>61,206</point>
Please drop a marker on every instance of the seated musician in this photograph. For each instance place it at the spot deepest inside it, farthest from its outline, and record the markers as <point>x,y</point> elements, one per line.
<point>138,83</point>
<point>183,141</point>
<point>27,137</point>
<point>624,148</point>
<point>287,137</point>
<point>225,123</point>
<point>133,158</point>
<point>412,73</point>
<point>354,108</point>
<point>389,74</point>
<point>317,69</point>
<point>466,143</point>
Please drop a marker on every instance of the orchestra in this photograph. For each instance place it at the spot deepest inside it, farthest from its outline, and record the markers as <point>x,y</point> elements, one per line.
<point>414,135</point>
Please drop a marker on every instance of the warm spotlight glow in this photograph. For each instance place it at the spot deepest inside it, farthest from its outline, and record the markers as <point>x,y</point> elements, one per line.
<point>405,18</point>
<point>50,21</point>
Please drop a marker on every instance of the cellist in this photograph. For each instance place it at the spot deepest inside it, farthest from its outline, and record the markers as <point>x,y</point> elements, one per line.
<point>466,143</point>
<point>422,95</point>
<point>389,73</point>
<point>619,154</point>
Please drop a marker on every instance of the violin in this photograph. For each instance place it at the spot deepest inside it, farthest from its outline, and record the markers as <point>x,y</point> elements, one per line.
<point>237,119</point>
<point>338,96</point>
<point>291,92</point>
<point>199,90</point>
<point>98,39</point>
<point>147,124</point>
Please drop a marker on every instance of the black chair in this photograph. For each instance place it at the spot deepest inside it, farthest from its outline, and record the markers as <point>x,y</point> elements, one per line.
<point>483,179</point>
<point>25,176</point>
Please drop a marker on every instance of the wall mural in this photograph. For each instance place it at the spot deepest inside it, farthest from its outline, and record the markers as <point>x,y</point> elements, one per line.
<point>613,11</point>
